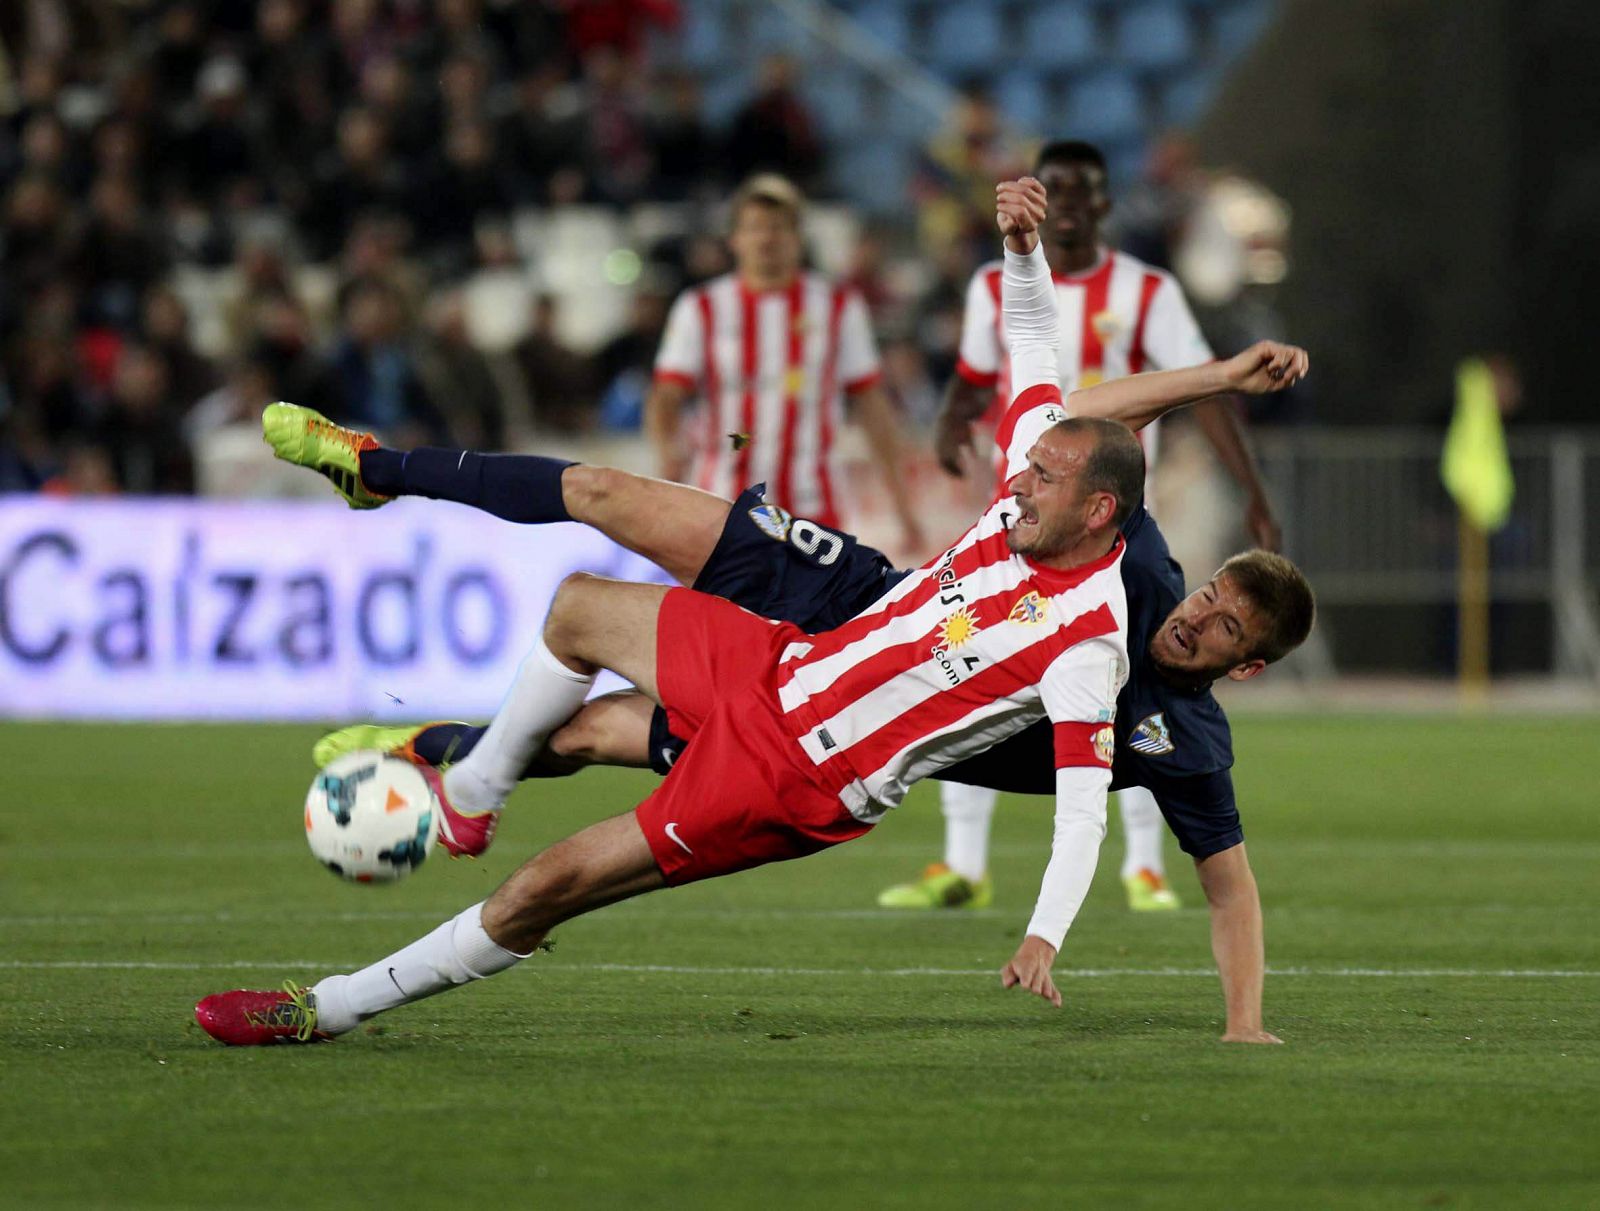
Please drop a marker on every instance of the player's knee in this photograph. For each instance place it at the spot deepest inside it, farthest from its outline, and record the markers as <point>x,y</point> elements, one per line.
<point>587,490</point>
<point>569,608</point>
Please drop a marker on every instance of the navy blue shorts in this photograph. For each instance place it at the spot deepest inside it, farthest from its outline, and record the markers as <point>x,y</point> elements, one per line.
<point>787,568</point>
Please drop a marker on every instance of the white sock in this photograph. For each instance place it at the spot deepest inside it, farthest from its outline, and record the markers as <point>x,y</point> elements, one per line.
<point>967,813</point>
<point>457,952</point>
<point>1141,831</point>
<point>545,695</point>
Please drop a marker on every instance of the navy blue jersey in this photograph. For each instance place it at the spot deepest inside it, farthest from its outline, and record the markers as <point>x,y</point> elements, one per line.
<point>1174,742</point>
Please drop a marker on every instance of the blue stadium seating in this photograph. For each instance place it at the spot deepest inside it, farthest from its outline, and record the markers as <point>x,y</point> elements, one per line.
<point>1063,34</point>
<point>1236,26</point>
<point>1186,97</point>
<point>1106,107</point>
<point>875,173</point>
<point>1024,99</point>
<point>966,38</point>
<point>839,101</point>
<point>703,39</point>
<point>889,21</point>
<point>1155,35</point>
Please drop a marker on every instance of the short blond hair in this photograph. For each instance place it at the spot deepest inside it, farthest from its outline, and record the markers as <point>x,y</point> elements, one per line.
<point>769,189</point>
<point>1280,593</point>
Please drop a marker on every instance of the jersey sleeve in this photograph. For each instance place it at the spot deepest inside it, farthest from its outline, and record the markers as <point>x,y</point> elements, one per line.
<point>858,351</point>
<point>1172,338</point>
<point>1080,694</point>
<point>1200,810</point>
<point>1028,300</point>
<point>979,361</point>
<point>681,358</point>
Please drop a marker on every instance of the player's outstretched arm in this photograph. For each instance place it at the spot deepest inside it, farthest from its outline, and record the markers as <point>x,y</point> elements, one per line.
<point>1265,367</point>
<point>1237,942</point>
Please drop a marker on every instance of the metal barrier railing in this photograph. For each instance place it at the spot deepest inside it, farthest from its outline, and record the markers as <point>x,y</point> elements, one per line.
<point>1367,518</point>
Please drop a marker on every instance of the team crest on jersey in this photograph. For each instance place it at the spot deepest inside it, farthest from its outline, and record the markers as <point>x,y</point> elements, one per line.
<point>1106,324</point>
<point>1029,609</point>
<point>1151,737</point>
<point>772,521</point>
<point>1104,741</point>
<point>958,628</point>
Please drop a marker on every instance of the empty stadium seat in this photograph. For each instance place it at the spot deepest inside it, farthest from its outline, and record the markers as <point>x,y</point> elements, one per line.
<point>1106,107</point>
<point>838,100</point>
<point>1024,99</point>
<point>888,21</point>
<point>1155,35</point>
<point>1063,34</point>
<point>875,173</point>
<point>1186,97</point>
<point>966,38</point>
<point>1236,25</point>
<point>703,41</point>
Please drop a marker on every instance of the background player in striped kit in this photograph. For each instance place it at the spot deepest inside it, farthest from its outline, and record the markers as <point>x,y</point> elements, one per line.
<point>1118,316</point>
<point>775,351</point>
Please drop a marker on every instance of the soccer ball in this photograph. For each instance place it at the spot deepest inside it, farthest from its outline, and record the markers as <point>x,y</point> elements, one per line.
<point>371,817</point>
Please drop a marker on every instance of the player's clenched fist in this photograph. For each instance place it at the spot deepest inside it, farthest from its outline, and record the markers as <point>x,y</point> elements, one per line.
<point>1267,366</point>
<point>1019,206</point>
<point>1030,968</point>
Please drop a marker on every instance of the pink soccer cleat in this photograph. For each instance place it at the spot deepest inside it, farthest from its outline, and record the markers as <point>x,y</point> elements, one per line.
<point>464,835</point>
<point>253,1019</point>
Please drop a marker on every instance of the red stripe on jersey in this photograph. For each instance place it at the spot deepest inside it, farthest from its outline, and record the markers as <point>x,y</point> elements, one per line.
<point>865,381</point>
<point>1080,744</point>
<point>991,550</point>
<point>825,438</point>
<point>750,341</point>
<point>1096,292</point>
<point>999,681</point>
<point>711,449</point>
<point>1036,396</point>
<point>886,663</point>
<point>675,377</point>
<point>978,378</point>
<point>1147,294</point>
<point>794,320</point>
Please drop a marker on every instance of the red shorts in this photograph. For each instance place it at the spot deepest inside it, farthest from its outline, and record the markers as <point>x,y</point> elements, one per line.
<point>744,793</point>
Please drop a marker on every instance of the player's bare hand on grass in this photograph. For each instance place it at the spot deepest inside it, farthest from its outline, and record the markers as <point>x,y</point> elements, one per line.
<point>1251,1036</point>
<point>1019,206</point>
<point>1030,968</point>
<point>1267,366</point>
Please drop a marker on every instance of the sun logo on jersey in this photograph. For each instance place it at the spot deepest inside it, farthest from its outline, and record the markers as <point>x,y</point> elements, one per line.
<point>1106,324</point>
<point>958,629</point>
<point>1029,609</point>
<point>794,381</point>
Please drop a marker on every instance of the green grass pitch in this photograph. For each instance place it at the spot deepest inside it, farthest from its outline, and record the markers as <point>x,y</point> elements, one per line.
<point>771,1040</point>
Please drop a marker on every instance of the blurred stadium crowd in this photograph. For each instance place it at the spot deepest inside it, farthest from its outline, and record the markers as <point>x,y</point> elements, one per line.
<point>363,205</point>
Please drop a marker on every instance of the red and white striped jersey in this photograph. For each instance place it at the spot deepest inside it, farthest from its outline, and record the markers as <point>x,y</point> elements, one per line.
<point>974,646</point>
<point>773,366</point>
<point>1119,318</point>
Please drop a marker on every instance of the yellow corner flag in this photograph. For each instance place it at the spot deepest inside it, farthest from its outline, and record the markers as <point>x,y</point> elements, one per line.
<point>1474,467</point>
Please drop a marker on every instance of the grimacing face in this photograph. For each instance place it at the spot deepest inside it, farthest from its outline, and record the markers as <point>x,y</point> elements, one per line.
<point>1209,635</point>
<point>765,241</point>
<point>1054,512</point>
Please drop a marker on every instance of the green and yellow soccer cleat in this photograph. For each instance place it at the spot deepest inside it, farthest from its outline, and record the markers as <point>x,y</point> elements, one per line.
<point>1148,892</point>
<point>308,439</point>
<point>396,740</point>
<point>939,887</point>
